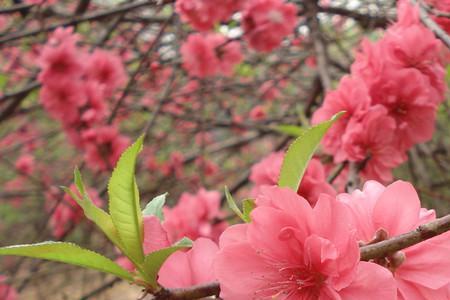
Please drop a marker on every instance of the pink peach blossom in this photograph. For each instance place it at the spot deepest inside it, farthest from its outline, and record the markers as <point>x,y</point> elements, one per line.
<point>293,251</point>
<point>107,69</point>
<point>210,54</point>
<point>25,164</point>
<point>103,147</point>
<point>407,98</point>
<point>371,141</point>
<point>425,272</point>
<point>194,216</point>
<point>352,97</point>
<point>267,22</point>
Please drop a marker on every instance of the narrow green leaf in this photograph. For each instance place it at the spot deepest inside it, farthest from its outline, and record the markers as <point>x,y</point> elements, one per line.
<point>247,206</point>
<point>96,215</point>
<point>70,254</point>
<point>124,203</point>
<point>300,153</point>
<point>154,261</point>
<point>232,204</point>
<point>291,130</point>
<point>155,207</point>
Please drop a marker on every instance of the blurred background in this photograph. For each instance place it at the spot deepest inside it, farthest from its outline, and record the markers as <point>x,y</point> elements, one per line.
<point>203,131</point>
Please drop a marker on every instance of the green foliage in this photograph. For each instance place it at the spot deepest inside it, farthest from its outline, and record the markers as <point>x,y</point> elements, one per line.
<point>232,204</point>
<point>70,254</point>
<point>94,213</point>
<point>247,206</point>
<point>155,206</point>
<point>291,130</point>
<point>124,203</point>
<point>300,153</point>
<point>154,261</point>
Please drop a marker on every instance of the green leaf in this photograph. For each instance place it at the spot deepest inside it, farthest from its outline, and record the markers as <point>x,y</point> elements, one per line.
<point>247,206</point>
<point>124,203</point>
<point>68,253</point>
<point>300,153</point>
<point>155,207</point>
<point>94,213</point>
<point>232,204</point>
<point>154,261</point>
<point>291,130</point>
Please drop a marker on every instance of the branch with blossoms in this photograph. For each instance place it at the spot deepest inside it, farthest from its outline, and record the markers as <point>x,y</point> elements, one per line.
<point>377,250</point>
<point>220,88</point>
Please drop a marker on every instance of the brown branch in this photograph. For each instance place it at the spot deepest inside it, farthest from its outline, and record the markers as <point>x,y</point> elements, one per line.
<point>79,19</point>
<point>319,45</point>
<point>195,292</point>
<point>420,234</point>
<point>365,20</point>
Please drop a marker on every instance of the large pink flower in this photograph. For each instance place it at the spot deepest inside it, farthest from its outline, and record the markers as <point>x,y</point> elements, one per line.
<point>313,184</point>
<point>195,216</point>
<point>193,267</point>
<point>371,142</point>
<point>293,251</point>
<point>425,272</point>
<point>267,22</point>
<point>352,97</point>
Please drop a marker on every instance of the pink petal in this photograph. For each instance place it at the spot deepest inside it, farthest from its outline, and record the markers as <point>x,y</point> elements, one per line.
<point>372,282</point>
<point>398,208</point>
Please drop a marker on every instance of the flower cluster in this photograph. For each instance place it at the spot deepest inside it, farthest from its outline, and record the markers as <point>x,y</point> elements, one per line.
<point>75,89</point>
<point>293,251</point>
<point>390,98</point>
<point>265,24</point>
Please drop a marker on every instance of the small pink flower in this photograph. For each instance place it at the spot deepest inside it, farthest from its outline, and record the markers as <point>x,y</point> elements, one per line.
<point>257,113</point>
<point>407,97</point>
<point>193,267</point>
<point>371,141</point>
<point>25,164</point>
<point>267,22</point>
<point>194,216</point>
<point>210,54</point>
<point>62,99</point>
<point>59,62</point>
<point>293,251</point>
<point>202,15</point>
<point>103,147</point>
<point>106,69</point>
<point>425,271</point>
